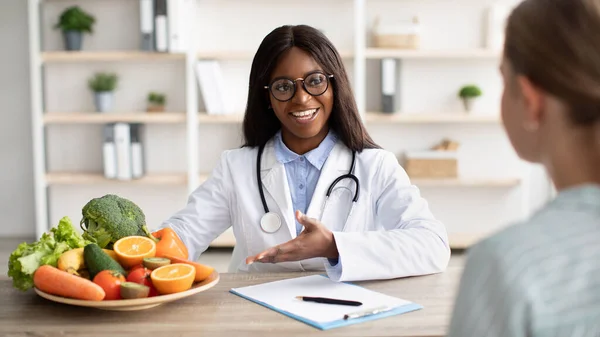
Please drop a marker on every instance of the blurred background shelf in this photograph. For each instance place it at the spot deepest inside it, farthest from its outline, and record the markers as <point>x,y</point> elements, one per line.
<point>246,54</point>
<point>381,53</point>
<point>380,118</point>
<point>464,240</point>
<point>467,182</point>
<point>105,56</point>
<point>114,117</point>
<point>408,118</point>
<point>205,118</point>
<point>75,178</point>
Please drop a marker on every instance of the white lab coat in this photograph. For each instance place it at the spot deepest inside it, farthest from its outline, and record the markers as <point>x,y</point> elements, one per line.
<point>391,233</point>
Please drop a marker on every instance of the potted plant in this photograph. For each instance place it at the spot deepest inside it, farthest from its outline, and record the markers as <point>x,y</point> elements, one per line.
<point>468,94</point>
<point>103,86</point>
<point>156,102</point>
<point>74,22</point>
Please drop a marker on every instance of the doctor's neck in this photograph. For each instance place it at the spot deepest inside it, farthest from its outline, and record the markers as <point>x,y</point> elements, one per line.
<point>302,145</point>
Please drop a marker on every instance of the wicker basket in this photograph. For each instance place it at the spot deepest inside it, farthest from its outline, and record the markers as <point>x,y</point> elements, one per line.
<point>431,164</point>
<point>396,41</point>
<point>397,35</point>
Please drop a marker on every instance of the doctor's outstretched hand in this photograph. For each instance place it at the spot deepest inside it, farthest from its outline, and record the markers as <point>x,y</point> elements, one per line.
<point>316,240</point>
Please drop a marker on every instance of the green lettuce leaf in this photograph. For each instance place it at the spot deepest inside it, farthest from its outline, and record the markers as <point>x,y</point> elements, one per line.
<point>27,258</point>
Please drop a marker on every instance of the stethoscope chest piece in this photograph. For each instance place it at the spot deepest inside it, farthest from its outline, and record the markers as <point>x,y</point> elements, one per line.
<point>270,222</point>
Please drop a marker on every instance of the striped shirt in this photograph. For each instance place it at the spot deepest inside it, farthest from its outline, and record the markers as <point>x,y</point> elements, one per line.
<point>538,278</point>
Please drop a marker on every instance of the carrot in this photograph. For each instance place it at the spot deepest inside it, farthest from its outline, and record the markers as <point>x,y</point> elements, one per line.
<point>202,271</point>
<point>54,281</point>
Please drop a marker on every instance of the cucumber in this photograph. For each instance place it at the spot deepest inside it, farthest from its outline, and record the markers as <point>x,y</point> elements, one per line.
<point>97,260</point>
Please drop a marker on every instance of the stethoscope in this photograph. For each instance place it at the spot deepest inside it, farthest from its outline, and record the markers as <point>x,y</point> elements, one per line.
<point>270,222</point>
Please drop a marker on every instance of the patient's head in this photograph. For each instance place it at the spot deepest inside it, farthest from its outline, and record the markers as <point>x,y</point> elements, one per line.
<point>551,71</point>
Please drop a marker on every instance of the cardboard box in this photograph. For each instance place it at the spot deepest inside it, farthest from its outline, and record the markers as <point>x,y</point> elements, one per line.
<point>432,164</point>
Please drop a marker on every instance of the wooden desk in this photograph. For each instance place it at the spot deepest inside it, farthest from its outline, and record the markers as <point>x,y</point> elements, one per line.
<point>217,312</point>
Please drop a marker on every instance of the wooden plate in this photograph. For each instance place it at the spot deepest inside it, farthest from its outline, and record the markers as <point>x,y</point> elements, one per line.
<point>135,304</point>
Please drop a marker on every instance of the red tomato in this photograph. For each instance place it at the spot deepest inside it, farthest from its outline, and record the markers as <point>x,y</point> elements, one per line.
<point>136,267</point>
<point>110,281</point>
<point>142,276</point>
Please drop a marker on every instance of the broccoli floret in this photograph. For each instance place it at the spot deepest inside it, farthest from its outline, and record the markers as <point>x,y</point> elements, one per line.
<point>109,218</point>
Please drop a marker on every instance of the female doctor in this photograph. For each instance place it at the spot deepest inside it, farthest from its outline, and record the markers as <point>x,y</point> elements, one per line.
<point>310,190</point>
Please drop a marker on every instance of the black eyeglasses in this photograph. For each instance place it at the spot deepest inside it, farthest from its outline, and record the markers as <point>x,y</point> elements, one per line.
<point>283,89</point>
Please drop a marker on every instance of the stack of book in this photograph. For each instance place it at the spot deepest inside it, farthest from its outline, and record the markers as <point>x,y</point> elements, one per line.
<point>165,25</point>
<point>122,151</point>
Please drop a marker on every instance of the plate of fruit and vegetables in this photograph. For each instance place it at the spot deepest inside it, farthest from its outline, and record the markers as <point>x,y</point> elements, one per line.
<point>128,277</point>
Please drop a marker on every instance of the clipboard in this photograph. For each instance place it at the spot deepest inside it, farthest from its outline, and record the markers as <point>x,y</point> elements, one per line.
<point>280,296</point>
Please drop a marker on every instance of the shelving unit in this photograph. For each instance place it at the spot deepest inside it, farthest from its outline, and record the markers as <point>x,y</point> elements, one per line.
<point>247,55</point>
<point>359,54</point>
<point>380,118</point>
<point>108,56</point>
<point>96,118</point>
<point>380,53</point>
<point>77,178</point>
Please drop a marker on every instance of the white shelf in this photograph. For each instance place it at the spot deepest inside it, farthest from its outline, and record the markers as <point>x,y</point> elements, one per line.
<point>204,118</point>
<point>103,118</point>
<point>464,240</point>
<point>380,53</point>
<point>460,182</point>
<point>106,56</point>
<point>377,118</point>
<point>246,54</point>
<point>74,178</point>
<point>225,240</point>
<point>409,118</point>
<point>466,182</point>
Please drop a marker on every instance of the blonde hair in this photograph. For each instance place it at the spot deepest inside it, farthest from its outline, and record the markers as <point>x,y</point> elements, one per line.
<point>554,43</point>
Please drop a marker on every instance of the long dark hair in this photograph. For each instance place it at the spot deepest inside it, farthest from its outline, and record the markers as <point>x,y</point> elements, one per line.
<point>260,123</point>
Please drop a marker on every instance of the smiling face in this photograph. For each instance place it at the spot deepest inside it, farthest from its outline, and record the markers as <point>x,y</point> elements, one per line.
<point>303,117</point>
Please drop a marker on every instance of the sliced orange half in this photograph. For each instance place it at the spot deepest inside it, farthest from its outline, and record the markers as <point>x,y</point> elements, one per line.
<point>173,278</point>
<point>132,250</point>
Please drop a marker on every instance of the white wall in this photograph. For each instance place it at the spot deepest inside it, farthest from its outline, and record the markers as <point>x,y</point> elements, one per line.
<point>426,86</point>
<point>16,172</point>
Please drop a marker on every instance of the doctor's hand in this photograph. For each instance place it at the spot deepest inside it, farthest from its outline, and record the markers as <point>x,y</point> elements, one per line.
<point>316,240</point>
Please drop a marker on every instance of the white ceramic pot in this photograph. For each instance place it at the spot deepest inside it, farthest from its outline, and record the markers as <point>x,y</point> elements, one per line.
<point>103,101</point>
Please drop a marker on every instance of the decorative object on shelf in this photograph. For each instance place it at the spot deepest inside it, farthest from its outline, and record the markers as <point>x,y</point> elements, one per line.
<point>103,86</point>
<point>401,34</point>
<point>156,102</point>
<point>74,22</point>
<point>468,94</point>
<point>439,162</point>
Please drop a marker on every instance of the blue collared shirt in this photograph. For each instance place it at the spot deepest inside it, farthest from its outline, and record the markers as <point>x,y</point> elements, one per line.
<point>303,171</point>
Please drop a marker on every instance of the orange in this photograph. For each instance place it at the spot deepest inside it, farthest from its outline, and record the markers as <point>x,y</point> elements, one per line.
<point>173,278</point>
<point>202,271</point>
<point>132,250</point>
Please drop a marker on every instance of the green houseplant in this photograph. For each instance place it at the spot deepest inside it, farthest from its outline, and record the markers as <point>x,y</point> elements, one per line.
<point>156,102</point>
<point>468,94</point>
<point>103,86</point>
<point>73,22</point>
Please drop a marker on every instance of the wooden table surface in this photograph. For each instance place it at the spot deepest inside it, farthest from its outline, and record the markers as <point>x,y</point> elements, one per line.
<point>216,312</point>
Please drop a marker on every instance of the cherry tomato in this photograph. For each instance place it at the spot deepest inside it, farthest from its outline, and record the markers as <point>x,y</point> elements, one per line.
<point>142,276</point>
<point>110,281</point>
<point>135,267</point>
